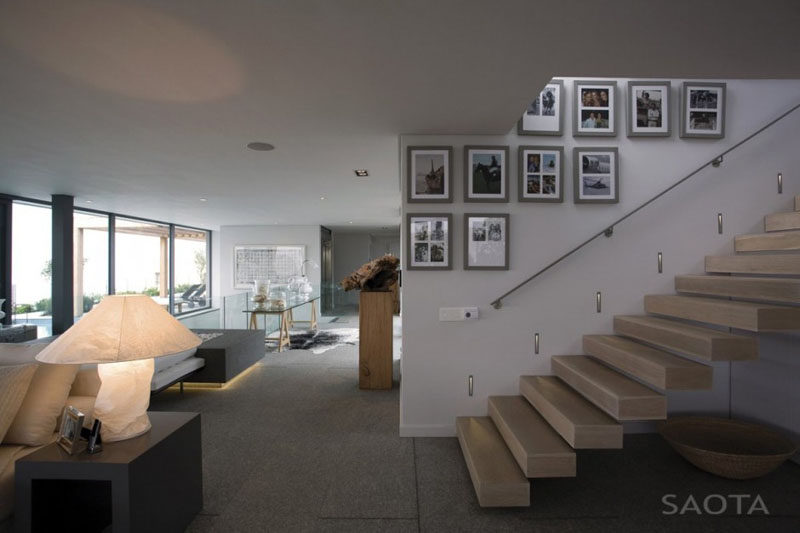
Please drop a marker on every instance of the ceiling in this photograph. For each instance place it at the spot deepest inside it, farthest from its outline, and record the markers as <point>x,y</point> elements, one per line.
<point>144,107</point>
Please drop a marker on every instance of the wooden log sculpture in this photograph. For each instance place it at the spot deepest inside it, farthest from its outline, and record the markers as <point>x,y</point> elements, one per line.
<point>377,275</point>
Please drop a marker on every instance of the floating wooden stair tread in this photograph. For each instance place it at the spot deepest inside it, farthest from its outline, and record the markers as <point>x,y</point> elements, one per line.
<point>742,315</point>
<point>709,344</point>
<point>617,395</point>
<point>497,479</point>
<point>765,242</point>
<point>579,422</point>
<point>538,449</point>
<point>782,221</point>
<point>656,367</point>
<point>765,289</point>
<point>787,264</point>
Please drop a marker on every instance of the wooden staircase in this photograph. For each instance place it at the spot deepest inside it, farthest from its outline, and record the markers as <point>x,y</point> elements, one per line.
<point>620,377</point>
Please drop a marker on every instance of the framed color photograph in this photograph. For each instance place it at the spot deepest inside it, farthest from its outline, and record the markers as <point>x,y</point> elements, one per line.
<point>649,108</point>
<point>703,110</point>
<point>595,108</point>
<point>429,242</point>
<point>429,170</point>
<point>486,173</point>
<point>544,115</point>
<point>486,241</point>
<point>596,178</point>
<point>541,174</point>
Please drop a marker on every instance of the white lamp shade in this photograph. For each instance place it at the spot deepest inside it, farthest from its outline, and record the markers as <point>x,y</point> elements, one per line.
<point>120,328</point>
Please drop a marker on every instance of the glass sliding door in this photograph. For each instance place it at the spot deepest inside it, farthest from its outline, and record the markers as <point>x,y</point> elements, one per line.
<point>141,259</point>
<point>90,261</point>
<point>31,266</point>
<point>191,270</point>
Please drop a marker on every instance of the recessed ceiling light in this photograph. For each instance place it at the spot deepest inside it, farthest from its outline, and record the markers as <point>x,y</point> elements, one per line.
<point>260,146</point>
<point>203,199</point>
<point>350,222</point>
<point>321,197</point>
<point>88,201</point>
<point>361,172</point>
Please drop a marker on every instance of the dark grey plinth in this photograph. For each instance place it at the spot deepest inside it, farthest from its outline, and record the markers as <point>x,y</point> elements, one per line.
<point>228,355</point>
<point>151,483</point>
<point>20,333</point>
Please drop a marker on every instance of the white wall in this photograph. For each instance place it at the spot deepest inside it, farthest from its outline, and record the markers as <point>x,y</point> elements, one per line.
<point>385,244</point>
<point>350,251</point>
<point>230,236</point>
<point>498,348</point>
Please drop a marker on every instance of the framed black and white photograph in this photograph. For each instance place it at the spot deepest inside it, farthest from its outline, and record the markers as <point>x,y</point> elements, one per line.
<point>429,170</point>
<point>486,173</point>
<point>541,174</point>
<point>429,242</point>
<point>69,433</point>
<point>544,115</point>
<point>595,108</point>
<point>649,108</point>
<point>596,178</point>
<point>486,241</point>
<point>703,110</point>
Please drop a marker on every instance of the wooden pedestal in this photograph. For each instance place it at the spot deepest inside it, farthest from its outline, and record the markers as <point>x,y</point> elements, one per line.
<point>375,344</point>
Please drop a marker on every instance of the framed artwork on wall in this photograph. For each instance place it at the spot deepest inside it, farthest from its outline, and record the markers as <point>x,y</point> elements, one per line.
<point>596,179</point>
<point>703,110</point>
<point>595,108</point>
<point>541,174</point>
<point>544,115</point>
<point>429,241</point>
<point>486,173</point>
<point>649,108</point>
<point>486,241</point>
<point>429,173</point>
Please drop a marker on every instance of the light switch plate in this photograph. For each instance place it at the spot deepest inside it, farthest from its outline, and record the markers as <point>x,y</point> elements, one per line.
<point>457,314</point>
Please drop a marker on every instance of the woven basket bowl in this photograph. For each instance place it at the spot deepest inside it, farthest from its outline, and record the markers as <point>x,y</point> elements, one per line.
<point>727,448</point>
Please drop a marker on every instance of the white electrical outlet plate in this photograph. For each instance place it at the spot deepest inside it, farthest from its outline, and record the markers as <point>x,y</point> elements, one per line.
<point>457,314</point>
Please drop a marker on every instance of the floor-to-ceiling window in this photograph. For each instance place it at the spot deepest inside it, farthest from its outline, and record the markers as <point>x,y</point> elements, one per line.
<point>141,261</point>
<point>31,266</point>
<point>90,264</point>
<point>191,269</point>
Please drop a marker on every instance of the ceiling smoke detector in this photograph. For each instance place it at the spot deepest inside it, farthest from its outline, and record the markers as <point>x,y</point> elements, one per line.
<point>260,146</point>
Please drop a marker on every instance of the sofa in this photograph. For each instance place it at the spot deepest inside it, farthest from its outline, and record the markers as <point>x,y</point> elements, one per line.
<point>32,397</point>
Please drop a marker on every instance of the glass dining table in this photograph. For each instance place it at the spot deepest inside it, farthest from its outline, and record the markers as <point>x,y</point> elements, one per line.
<point>285,315</point>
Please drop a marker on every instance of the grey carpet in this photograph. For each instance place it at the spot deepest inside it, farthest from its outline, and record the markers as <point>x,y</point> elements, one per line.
<point>295,446</point>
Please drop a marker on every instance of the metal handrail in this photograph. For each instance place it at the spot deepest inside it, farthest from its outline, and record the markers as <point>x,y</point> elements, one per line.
<point>715,162</point>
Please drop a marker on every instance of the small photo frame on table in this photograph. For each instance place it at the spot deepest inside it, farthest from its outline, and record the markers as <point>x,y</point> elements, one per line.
<point>544,115</point>
<point>541,174</point>
<point>703,110</point>
<point>430,178</point>
<point>486,173</point>
<point>595,108</point>
<point>486,241</point>
<point>69,434</point>
<point>596,179</point>
<point>649,108</point>
<point>429,241</point>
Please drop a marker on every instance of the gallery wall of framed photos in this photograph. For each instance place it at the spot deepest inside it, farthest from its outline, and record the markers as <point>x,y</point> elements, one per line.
<point>590,153</point>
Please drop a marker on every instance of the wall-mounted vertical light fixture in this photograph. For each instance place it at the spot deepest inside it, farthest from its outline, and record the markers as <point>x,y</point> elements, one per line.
<point>470,384</point>
<point>780,182</point>
<point>599,298</point>
<point>536,343</point>
<point>719,223</point>
<point>660,263</point>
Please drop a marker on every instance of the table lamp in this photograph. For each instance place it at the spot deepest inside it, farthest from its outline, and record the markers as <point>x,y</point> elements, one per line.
<point>122,334</point>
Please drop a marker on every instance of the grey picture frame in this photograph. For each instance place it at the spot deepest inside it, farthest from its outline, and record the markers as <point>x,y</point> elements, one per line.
<point>409,256</point>
<point>576,181</point>
<point>720,110</point>
<point>612,108</point>
<point>522,174</point>
<point>448,178</point>
<point>468,175</point>
<point>522,130</point>
<point>468,235</point>
<point>666,115</point>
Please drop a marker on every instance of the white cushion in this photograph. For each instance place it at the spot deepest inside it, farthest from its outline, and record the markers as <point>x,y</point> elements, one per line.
<point>14,382</point>
<point>170,360</point>
<point>174,372</point>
